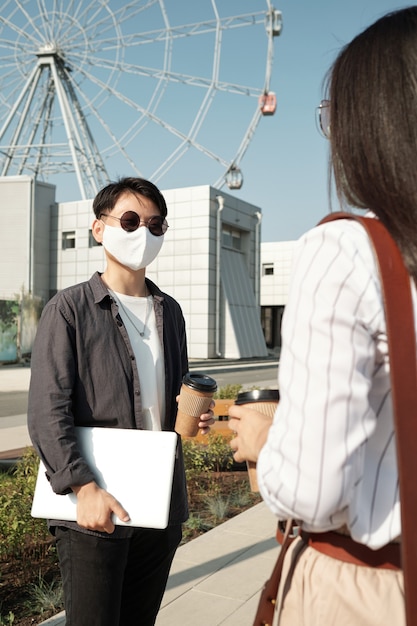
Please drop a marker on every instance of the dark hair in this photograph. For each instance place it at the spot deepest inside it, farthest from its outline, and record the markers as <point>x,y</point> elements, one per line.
<point>373,120</point>
<point>107,197</point>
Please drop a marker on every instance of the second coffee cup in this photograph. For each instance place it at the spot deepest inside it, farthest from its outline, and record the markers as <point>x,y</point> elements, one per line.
<point>196,394</point>
<point>265,401</point>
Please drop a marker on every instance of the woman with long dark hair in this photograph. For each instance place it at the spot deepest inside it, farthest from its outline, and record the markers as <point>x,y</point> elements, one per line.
<point>329,460</point>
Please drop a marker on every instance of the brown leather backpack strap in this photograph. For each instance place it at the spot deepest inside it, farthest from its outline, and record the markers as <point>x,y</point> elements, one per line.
<point>399,317</point>
<point>267,602</point>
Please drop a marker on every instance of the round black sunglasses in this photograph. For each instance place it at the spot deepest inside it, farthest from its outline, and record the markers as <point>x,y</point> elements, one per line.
<point>130,221</point>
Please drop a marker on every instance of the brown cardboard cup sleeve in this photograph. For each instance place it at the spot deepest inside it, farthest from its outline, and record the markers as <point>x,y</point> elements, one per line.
<point>265,401</point>
<point>196,393</point>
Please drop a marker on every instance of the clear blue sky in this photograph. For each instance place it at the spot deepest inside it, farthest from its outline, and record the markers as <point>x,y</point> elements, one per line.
<point>287,153</point>
<point>285,166</point>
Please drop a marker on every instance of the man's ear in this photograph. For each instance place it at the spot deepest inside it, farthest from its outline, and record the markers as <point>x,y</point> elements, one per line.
<point>97,229</point>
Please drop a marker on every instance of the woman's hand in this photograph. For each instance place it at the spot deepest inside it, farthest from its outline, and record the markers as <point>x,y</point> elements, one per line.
<point>251,430</point>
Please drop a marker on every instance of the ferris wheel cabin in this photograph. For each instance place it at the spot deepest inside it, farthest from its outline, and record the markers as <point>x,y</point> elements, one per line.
<point>268,103</point>
<point>234,178</point>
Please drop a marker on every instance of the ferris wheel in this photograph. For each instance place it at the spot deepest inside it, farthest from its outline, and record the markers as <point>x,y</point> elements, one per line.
<point>169,90</point>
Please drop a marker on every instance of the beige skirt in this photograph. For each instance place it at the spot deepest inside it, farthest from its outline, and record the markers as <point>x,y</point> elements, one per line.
<point>317,590</point>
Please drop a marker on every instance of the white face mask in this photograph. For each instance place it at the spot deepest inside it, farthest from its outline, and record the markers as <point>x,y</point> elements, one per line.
<point>135,250</point>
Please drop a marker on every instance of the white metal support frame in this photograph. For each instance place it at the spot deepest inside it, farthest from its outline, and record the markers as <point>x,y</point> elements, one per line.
<point>97,89</point>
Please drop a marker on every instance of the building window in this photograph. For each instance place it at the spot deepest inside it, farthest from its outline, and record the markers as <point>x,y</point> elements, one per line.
<point>92,243</point>
<point>267,269</point>
<point>68,240</point>
<point>231,238</point>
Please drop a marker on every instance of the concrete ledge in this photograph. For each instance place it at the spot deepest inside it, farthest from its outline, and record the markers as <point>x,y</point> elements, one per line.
<point>12,454</point>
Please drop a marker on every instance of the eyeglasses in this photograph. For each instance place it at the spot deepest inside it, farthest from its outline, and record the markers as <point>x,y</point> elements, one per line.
<point>130,221</point>
<point>323,118</point>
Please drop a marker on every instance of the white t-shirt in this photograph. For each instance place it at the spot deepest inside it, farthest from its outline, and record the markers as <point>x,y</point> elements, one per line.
<point>138,315</point>
<point>330,455</point>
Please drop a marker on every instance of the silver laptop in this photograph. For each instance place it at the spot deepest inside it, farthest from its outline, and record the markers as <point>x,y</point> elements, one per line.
<point>135,466</point>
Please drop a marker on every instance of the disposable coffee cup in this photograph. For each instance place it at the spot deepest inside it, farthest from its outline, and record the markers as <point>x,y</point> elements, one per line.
<point>196,394</point>
<point>265,401</point>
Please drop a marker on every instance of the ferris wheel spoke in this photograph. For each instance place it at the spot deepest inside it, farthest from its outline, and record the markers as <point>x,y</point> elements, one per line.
<point>10,77</point>
<point>162,83</point>
<point>248,136</point>
<point>209,96</point>
<point>242,148</point>
<point>198,28</point>
<point>18,30</point>
<point>169,163</point>
<point>13,86</point>
<point>202,113</point>
<point>98,27</point>
<point>118,145</point>
<point>176,155</point>
<point>28,17</point>
<point>76,9</point>
<point>11,49</point>
<point>45,16</point>
<point>129,10</point>
<point>186,79</point>
<point>157,120</point>
<point>90,15</point>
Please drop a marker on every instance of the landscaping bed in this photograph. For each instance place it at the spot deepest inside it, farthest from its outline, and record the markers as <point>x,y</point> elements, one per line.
<point>30,590</point>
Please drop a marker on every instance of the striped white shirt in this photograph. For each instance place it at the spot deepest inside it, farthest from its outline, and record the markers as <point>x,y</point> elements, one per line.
<point>330,455</point>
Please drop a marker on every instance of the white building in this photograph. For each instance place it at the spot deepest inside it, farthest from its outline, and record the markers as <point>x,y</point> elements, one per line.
<point>276,262</point>
<point>210,260</point>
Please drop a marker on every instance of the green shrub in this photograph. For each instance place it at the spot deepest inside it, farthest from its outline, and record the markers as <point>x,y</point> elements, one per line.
<point>213,455</point>
<point>228,392</point>
<point>45,596</point>
<point>241,496</point>
<point>21,535</point>
<point>195,523</point>
<point>217,506</point>
<point>7,620</point>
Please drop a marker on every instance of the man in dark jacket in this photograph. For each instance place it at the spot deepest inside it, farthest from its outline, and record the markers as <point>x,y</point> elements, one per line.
<point>111,352</point>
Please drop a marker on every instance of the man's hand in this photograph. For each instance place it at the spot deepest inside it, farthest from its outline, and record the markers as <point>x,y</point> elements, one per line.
<point>206,419</point>
<point>95,507</point>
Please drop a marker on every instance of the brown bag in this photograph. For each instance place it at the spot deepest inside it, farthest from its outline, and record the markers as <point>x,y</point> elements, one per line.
<point>399,315</point>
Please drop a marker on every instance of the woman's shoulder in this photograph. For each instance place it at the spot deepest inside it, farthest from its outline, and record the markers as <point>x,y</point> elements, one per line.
<point>339,238</point>
<point>333,254</point>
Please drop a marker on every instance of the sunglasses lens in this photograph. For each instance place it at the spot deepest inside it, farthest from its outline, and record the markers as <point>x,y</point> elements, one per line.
<point>157,226</point>
<point>130,221</point>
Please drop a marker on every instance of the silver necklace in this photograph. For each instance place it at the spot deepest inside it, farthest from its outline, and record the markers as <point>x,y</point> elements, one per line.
<point>148,311</point>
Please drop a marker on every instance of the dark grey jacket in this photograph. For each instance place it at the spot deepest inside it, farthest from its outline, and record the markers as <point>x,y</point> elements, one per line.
<point>83,373</point>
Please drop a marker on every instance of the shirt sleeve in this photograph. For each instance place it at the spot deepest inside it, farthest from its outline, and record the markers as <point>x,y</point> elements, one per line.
<point>50,417</point>
<point>314,454</point>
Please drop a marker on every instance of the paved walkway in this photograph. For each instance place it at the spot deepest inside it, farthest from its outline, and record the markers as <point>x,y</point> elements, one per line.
<point>215,579</point>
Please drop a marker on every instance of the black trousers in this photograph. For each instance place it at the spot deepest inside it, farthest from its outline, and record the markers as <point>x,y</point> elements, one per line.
<point>115,582</point>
